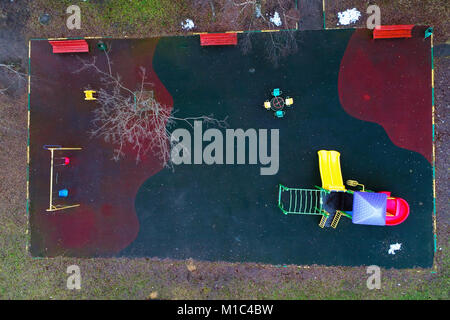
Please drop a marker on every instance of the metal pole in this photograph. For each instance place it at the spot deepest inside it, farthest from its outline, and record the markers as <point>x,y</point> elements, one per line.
<point>51,180</point>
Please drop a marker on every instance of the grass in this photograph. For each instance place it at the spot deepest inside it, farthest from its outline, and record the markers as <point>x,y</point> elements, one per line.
<point>22,277</point>
<point>108,18</point>
<point>145,18</point>
<point>161,13</point>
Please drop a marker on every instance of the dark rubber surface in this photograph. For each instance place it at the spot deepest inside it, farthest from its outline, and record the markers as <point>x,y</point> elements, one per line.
<point>226,212</point>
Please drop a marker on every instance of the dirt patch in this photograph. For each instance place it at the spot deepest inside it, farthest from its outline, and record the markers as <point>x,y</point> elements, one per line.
<point>311,15</point>
<point>13,146</point>
<point>442,131</point>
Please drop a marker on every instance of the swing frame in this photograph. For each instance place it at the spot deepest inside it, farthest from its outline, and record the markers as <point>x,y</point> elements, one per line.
<point>51,206</point>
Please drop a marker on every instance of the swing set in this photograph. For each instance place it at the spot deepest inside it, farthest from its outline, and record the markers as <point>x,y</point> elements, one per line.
<point>62,193</point>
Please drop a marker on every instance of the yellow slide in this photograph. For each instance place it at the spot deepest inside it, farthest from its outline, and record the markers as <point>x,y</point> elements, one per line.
<point>330,170</point>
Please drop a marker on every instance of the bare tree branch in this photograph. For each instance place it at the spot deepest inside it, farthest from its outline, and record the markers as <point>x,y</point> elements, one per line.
<point>127,118</point>
<point>280,44</point>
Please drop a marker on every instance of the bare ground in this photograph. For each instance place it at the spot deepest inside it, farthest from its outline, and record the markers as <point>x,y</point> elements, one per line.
<point>224,15</point>
<point>435,13</point>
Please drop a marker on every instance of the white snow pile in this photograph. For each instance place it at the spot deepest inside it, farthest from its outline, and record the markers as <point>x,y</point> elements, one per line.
<point>348,16</point>
<point>188,24</point>
<point>276,20</point>
<point>394,247</point>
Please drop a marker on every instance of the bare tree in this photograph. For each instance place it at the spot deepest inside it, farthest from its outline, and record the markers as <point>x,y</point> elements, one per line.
<point>280,44</point>
<point>246,4</point>
<point>134,118</point>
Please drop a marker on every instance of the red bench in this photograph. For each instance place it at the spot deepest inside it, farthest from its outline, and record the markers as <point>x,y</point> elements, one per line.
<point>397,31</point>
<point>65,46</point>
<point>218,39</point>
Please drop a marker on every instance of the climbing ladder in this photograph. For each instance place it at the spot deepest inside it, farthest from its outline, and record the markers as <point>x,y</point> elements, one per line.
<point>300,201</point>
<point>336,219</point>
<point>332,220</point>
<point>323,220</point>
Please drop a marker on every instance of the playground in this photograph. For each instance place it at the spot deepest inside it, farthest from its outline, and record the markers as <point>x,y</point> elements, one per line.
<point>368,99</point>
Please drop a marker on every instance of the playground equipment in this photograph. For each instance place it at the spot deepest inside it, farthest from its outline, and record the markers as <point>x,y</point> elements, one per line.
<point>428,32</point>
<point>333,201</point>
<point>89,95</point>
<point>218,39</point>
<point>330,170</point>
<point>62,193</point>
<point>354,183</point>
<point>69,46</point>
<point>301,201</point>
<point>397,210</point>
<point>395,31</point>
<point>65,161</point>
<point>279,114</point>
<point>101,46</point>
<point>277,103</point>
<point>276,92</point>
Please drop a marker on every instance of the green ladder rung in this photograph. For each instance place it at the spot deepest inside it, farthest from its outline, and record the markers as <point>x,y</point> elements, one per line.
<point>301,201</point>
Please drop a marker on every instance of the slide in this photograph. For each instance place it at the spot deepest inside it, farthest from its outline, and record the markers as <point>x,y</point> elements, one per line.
<point>330,170</point>
<point>397,209</point>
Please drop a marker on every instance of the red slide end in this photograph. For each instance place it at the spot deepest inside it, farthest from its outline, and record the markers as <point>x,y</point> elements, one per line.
<point>398,210</point>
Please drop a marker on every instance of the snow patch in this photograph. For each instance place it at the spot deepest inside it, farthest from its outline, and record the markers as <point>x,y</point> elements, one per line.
<point>276,20</point>
<point>394,247</point>
<point>258,10</point>
<point>188,24</point>
<point>348,16</point>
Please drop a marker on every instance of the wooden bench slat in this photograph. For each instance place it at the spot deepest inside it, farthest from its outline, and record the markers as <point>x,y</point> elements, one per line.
<point>62,46</point>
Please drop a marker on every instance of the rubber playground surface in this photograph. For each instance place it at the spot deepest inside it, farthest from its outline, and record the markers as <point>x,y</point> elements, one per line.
<point>369,100</point>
